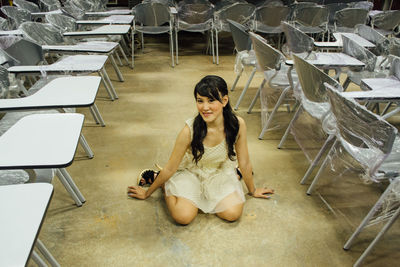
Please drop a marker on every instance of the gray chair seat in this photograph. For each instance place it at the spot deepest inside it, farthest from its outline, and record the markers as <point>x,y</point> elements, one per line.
<point>153,29</point>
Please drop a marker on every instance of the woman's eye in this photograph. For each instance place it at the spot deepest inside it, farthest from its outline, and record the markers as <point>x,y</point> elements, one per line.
<point>199,101</point>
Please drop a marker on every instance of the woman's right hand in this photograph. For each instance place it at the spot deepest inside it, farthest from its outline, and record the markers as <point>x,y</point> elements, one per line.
<point>137,192</point>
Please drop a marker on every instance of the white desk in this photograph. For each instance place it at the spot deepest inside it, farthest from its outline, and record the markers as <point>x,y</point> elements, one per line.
<point>55,141</point>
<point>84,47</point>
<point>109,13</point>
<point>36,15</point>
<point>106,30</point>
<point>115,19</point>
<point>62,92</point>
<point>339,42</point>
<point>8,33</point>
<point>22,208</point>
<point>71,65</point>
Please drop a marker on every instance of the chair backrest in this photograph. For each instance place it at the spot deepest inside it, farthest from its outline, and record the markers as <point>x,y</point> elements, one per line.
<point>29,6</point>
<point>15,16</point>
<point>270,3</point>
<point>359,127</point>
<point>333,8</point>
<point>4,81</point>
<point>297,41</point>
<point>169,3</point>
<point>72,10</point>
<point>394,47</point>
<point>6,59</point>
<point>387,20</point>
<point>3,24</point>
<point>41,33</point>
<point>312,15</point>
<point>226,3</point>
<point>49,5</point>
<point>195,13</point>
<point>89,5</point>
<point>367,5</point>
<point>268,58</point>
<point>63,22</point>
<point>312,80</point>
<point>240,12</point>
<point>272,15</point>
<point>26,52</point>
<point>298,5</point>
<point>240,37</point>
<point>382,44</point>
<point>355,50</point>
<point>350,17</point>
<point>395,67</point>
<point>152,14</point>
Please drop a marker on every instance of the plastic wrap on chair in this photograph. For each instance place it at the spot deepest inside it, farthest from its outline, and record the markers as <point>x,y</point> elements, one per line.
<point>16,16</point>
<point>244,58</point>
<point>367,5</point>
<point>3,24</point>
<point>312,19</point>
<point>225,3</point>
<point>63,22</point>
<point>41,33</point>
<point>332,9</point>
<point>170,3</point>
<point>72,10</point>
<point>346,19</point>
<point>394,47</point>
<point>386,20</point>
<point>6,59</point>
<point>268,18</point>
<point>4,82</point>
<point>382,44</point>
<point>92,5</point>
<point>151,14</point>
<point>8,177</point>
<point>240,12</point>
<point>195,17</point>
<point>297,41</point>
<point>50,5</point>
<point>270,3</point>
<point>29,6</point>
<point>7,41</point>
<point>352,49</point>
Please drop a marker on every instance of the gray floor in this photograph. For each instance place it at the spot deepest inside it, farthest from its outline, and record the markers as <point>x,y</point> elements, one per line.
<point>291,229</point>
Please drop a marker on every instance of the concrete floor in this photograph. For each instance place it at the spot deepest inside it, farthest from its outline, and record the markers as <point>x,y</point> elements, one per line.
<point>291,229</point>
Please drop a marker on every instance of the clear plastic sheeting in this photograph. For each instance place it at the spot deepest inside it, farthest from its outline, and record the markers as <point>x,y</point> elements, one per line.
<point>386,21</point>
<point>170,3</point>
<point>226,3</point>
<point>89,5</point>
<point>367,5</point>
<point>312,19</point>
<point>270,3</point>
<point>29,6</point>
<point>382,44</point>
<point>346,19</point>
<point>152,14</point>
<point>3,24</point>
<point>240,12</point>
<point>41,33</point>
<point>244,58</point>
<point>332,9</point>
<point>268,18</point>
<point>195,16</point>
<point>72,10</point>
<point>4,82</point>
<point>298,42</point>
<point>15,16</point>
<point>394,47</point>
<point>50,5</point>
<point>63,22</point>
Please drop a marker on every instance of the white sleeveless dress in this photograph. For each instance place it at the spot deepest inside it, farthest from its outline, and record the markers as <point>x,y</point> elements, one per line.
<point>209,182</point>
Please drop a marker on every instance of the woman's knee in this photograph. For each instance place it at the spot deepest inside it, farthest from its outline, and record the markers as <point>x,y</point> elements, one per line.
<point>184,217</point>
<point>232,214</point>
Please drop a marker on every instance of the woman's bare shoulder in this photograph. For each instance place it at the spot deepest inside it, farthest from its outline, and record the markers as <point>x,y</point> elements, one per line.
<point>241,121</point>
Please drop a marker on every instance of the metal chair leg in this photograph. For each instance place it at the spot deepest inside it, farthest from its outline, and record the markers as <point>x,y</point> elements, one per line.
<point>245,88</point>
<point>103,79</point>
<point>94,115</point>
<point>176,47</point>
<point>107,78</point>
<point>86,146</point>
<point>253,102</point>
<point>236,79</point>
<point>47,255</point>
<point>212,46</point>
<point>216,45</point>
<point>96,111</point>
<point>36,258</point>
<point>68,187</point>
<point>71,182</point>
<point>117,70</point>
<point>171,43</point>
<point>285,135</point>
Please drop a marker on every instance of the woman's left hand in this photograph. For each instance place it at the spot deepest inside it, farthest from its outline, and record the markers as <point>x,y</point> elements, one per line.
<point>263,192</point>
<point>136,192</point>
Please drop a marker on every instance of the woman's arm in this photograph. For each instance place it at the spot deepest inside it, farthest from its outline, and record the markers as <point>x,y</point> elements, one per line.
<point>182,143</point>
<point>245,167</point>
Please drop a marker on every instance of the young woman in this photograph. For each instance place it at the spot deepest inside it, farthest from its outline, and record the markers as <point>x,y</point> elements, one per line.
<point>202,170</point>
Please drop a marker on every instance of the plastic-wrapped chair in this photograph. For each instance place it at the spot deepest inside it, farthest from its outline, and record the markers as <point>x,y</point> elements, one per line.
<point>332,9</point>
<point>49,5</point>
<point>375,145</point>
<point>15,16</point>
<point>386,22</point>
<point>298,42</point>
<point>352,49</point>
<point>3,24</point>
<point>154,18</point>
<point>312,19</point>
<point>268,19</point>
<point>276,74</point>
<point>313,102</point>
<point>298,5</point>
<point>367,5</point>
<point>245,56</point>
<point>52,41</point>
<point>72,10</point>
<point>29,6</point>
<point>195,16</point>
<point>394,47</point>
<point>240,12</point>
<point>270,3</point>
<point>91,5</point>
<point>346,19</point>
<point>63,22</point>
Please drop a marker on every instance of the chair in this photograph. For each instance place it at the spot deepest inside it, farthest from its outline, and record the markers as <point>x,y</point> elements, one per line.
<point>91,5</point>
<point>374,144</point>
<point>29,6</point>
<point>3,24</point>
<point>332,9</point>
<point>240,12</point>
<point>244,56</point>
<point>298,42</point>
<point>367,5</point>
<point>386,22</point>
<point>195,16</point>
<point>276,74</point>
<point>346,19</point>
<point>69,8</point>
<point>312,20</point>
<point>63,22</point>
<point>15,16</point>
<point>49,5</point>
<point>268,20</point>
<point>352,49</point>
<point>154,18</point>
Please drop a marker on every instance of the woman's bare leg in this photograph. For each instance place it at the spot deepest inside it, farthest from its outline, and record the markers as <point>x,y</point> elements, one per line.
<point>182,210</point>
<point>234,212</point>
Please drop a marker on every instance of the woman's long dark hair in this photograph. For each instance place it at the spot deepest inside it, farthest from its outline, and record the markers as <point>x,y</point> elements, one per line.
<point>214,87</point>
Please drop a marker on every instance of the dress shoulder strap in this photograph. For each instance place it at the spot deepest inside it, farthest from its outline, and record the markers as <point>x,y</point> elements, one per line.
<point>189,123</point>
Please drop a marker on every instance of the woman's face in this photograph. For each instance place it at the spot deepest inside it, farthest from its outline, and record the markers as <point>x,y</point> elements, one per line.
<point>210,109</point>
